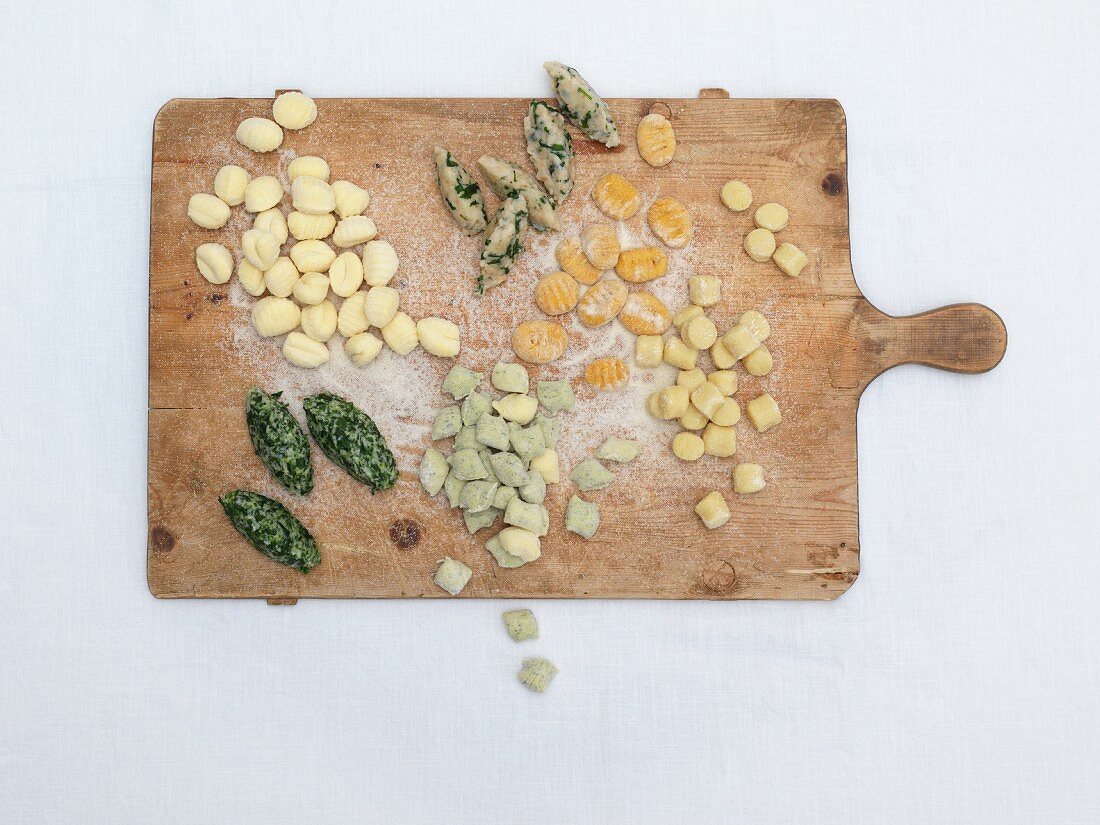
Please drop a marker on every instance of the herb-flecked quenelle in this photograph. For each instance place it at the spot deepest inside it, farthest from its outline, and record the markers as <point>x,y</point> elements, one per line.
<point>460,192</point>
<point>503,241</point>
<point>272,529</point>
<point>279,440</point>
<point>505,177</point>
<point>581,104</point>
<point>350,438</point>
<point>550,148</point>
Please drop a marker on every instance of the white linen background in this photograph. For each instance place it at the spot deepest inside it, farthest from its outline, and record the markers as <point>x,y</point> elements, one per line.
<point>957,680</point>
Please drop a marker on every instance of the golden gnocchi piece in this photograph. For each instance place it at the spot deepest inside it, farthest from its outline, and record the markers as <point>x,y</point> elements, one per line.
<point>670,221</point>
<point>539,342</point>
<point>600,244</point>
<point>602,302</point>
<point>656,140</point>
<point>616,197</point>
<point>637,266</point>
<point>571,259</point>
<point>607,373</point>
<point>644,314</point>
<point>556,293</point>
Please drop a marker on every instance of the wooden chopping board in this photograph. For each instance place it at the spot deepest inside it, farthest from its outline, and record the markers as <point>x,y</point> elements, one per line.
<point>797,539</point>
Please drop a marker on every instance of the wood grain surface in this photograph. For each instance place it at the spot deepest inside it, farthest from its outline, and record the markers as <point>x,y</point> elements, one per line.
<point>797,539</point>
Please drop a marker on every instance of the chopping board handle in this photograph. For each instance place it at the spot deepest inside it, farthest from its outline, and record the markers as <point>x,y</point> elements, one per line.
<point>967,338</point>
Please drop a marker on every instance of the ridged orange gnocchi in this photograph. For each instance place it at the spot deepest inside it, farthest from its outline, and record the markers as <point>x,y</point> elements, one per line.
<point>616,197</point>
<point>600,243</point>
<point>607,373</point>
<point>571,259</point>
<point>656,140</point>
<point>602,302</point>
<point>670,221</point>
<point>556,293</point>
<point>539,342</point>
<point>645,314</point>
<point>636,266</point>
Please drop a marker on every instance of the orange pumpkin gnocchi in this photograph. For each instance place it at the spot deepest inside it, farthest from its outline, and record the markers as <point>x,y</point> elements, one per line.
<point>571,259</point>
<point>637,266</point>
<point>670,221</point>
<point>539,342</point>
<point>556,293</point>
<point>645,314</point>
<point>602,302</point>
<point>656,140</point>
<point>607,373</point>
<point>616,197</point>
<point>600,243</point>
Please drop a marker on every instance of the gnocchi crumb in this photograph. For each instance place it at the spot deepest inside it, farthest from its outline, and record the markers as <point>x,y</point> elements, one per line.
<point>713,510</point>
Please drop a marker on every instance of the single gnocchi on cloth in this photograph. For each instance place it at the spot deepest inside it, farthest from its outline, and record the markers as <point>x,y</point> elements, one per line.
<point>460,192</point>
<point>550,149</point>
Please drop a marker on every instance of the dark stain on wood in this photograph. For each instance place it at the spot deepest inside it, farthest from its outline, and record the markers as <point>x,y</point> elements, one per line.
<point>405,533</point>
<point>161,539</point>
<point>833,184</point>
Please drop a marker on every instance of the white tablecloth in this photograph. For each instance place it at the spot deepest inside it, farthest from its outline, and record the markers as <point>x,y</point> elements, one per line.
<point>956,682</point>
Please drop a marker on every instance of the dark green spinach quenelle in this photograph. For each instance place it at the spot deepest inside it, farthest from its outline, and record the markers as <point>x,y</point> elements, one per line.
<point>279,440</point>
<point>272,529</point>
<point>350,438</point>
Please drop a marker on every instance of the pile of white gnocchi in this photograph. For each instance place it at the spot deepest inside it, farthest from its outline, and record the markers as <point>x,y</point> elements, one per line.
<point>313,292</point>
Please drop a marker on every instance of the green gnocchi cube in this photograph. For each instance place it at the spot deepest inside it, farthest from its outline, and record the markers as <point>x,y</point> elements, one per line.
<point>531,517</point>
<point>502,556</point>
<point>480,520</point>
<point>555,396</point>
<point>433,471</point>
<point>475,405</point>
<point>617,449</point>
<point>537,674</point>
<point>528,442</point>
<point>477,496</point>
<point>582,517</point>
<point>551,429</point>
<point>492,431</point>
<point>521,625</point>
<point>453,488</point>
<point>534,491</point>
<point>452,575</point>
<point>490,473</point>
<point>591,475</point>
<point>460,382</point>
<point>467,465</point>
<point>448,421</point>
<point>511,378</point>
<point>467,439</point>
<point>509,469</point>
<point>503,496</point>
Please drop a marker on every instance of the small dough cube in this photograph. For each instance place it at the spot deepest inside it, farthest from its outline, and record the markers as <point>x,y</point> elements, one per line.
<point>713,510</point>
<point>207,211</point>
<point>528,442</point>
<point>492,431</point>
<point>520,543</point>
<point>302,351</point>
<point>229,184</point>
<point>699,333</point>
<point>517,407</point>
<point>763,412</point>
<point>705,290</point>
<point>310,165</point>
<point>582,517</point>
<point>756,323</point>
<point>690,378</point>
<point>551,429</point>
<point>460,382</point>
<point>400,333</point>
<point>772,216</point>
<point>534,490</point>
<point>477,495</point>
<point>214,262</point>
<point>748,478</point>
<point>437,336</point>
<point>452,575</point>
<point>350,199</point>
<point>707,399</point>
<point>591,475</point>
<point>721,356</point>
<point>555,396</point>
<point>727,414</point>
<point>466,439</point>
<point>720,441</point>
<point>447,423</point>
<point>474,406</point>
<point>736,196</point>
<point>725,381</point>
<point>486,454</point>
<point>758,362</point>
<point>503,495</point>
<point>319,322</point>
<point>453,489</point>
<point>648,351</point>
<point>511,378</point>
<point>687,446</point>
<point>680,354</point>
<point>481,519</point>
<point>433,471</point>
<point>548,466</point>
<point>740,341</point>
<point>531,517</point>
<point>671,402</point>
<point>521,625</point>
<point>790,259</point>
<point>466,465</point>
<point>693,420</point>
<point>620,450</point>
<point>537,674</point>
<point>760,244</point>
<point>686,314</point>
<point>503,557</point>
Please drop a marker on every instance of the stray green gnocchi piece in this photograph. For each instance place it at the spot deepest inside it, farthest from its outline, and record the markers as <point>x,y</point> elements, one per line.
<point>591,475</point>
<point>528,442</point>
<point>537,674</point>
<point>517,407</point>
<point>619,449</point>
<point>555,396</point>
<point>492,431</point>
<point>509,469</point>
<point>448,421</point>
<point>531,517</point>
<point>433,471</point>
<point>490,473</point>
<point>477,496</point>
<point>479,520</point>
<point>582,517</point>
<point>511,378</point>
<point>551,429</point>
<point>467,465</point>
<point>452,575</point>
<point>521,625</point>
<point>460,382</point>
<point>502,556</point>
<point>453,488</point>
<point>534,491</point>
<point>503,496</point>
<point>467,439</point>
<point>475,405</point>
